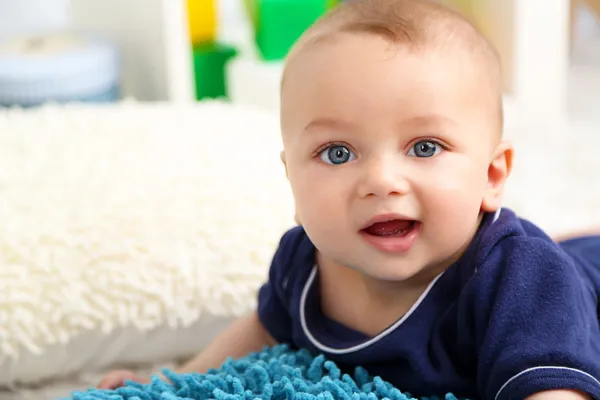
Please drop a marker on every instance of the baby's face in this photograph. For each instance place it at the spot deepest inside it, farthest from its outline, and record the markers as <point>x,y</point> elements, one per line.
<point>387,153</point>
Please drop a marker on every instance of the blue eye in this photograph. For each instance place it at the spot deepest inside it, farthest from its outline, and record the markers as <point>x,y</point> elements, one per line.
<point>424,149</point>
<point>337,154</point>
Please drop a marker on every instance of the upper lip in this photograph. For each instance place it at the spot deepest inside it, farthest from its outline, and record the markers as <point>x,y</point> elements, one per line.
<point>385,218</point>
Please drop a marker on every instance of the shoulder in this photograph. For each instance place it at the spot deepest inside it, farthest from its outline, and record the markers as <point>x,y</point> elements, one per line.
<point>528,263</point>
<point>505,239</point>
<point>518,265</point>
<point>290,263</point>
<point>294,256</point>
<point>500,235</point>
<point>290,266</point>
<point>293,243</point>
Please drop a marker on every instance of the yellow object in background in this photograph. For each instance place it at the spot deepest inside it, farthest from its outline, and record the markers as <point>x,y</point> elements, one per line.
<point>463,6</point>
<point>468,8</point>
<point>495,20</point>
<point>202,16</point>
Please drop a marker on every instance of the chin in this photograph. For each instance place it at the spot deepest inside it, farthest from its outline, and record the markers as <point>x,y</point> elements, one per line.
<point>394,276</point>
<point>392,273</point>
<point>398,270</point>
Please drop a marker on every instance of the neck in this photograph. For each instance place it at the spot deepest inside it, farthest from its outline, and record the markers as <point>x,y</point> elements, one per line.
<point>354,307</point>
<point>397,294</point>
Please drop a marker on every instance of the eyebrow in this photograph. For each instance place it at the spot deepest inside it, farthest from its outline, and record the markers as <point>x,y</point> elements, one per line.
<point>429,120</point>
<point>419,121</point>
<point>329,124</point>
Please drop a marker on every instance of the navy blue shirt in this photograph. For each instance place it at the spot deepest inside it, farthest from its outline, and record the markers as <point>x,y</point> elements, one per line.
<point>516,315</point>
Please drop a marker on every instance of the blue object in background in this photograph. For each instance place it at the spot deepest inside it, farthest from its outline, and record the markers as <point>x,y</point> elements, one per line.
<point>58,68</point>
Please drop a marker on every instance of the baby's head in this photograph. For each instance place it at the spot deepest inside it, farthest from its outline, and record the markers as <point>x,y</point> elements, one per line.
<point>391,115</point>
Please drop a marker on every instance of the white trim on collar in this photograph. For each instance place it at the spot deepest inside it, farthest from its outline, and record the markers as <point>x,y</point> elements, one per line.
<point>374,339</point>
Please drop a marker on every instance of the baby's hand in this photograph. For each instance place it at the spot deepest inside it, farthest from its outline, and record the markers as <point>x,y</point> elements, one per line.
<point>116,379</point>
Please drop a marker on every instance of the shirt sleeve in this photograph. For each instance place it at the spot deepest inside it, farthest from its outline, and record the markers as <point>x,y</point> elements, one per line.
<point>536,322</point>
<point>274,296</point>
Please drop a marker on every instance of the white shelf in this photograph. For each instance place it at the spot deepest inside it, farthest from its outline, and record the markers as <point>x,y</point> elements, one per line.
<point>152,36</point>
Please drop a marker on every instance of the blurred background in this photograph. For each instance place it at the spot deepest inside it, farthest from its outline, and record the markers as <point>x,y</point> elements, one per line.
<point>178,50</point>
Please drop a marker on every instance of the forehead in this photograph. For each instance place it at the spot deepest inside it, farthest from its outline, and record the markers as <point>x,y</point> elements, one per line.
<point>354,76</point>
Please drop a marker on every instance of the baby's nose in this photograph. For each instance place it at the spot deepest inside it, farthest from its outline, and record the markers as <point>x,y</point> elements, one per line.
<point>383,179</point>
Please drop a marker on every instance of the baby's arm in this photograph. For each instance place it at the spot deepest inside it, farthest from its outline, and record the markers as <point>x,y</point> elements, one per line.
<point>576,234</point>
<point>244,336</point>
<point>559,395</point>
<point>269,324</point>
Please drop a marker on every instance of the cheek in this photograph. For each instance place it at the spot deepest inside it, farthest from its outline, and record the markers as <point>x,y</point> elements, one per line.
<point>457,185</point>
<point>461,173</point>
<point>306,188</point>
<point>317,193</point>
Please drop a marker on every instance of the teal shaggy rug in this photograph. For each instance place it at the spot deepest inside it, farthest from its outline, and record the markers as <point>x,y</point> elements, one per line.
<point>276,373</point>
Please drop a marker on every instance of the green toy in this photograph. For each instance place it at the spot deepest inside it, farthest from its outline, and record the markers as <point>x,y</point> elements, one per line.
<point>279,23</point>
<point>209,69</point>
<point>333,3</point>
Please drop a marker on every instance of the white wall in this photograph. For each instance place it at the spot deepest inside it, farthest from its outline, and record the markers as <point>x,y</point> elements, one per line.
<point>26,16</point>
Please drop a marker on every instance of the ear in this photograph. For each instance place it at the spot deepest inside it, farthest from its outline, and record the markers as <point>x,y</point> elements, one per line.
<point>282,157</point>
<point>498,172</point>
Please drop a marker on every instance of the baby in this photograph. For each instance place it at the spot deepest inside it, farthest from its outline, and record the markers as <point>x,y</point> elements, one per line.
<point>404,261</point>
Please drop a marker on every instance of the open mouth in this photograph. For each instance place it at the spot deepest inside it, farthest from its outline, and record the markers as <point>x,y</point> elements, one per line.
<point>394,227</point>
<point>390,234</point>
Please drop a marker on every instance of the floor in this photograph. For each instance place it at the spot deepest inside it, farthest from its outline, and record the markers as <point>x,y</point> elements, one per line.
<point>64,388</point>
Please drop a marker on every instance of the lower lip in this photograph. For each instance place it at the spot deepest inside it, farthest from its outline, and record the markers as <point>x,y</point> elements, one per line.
<point>394,244</point>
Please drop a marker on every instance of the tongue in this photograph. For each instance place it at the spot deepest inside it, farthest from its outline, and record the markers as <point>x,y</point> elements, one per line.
<point>396,227</point>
